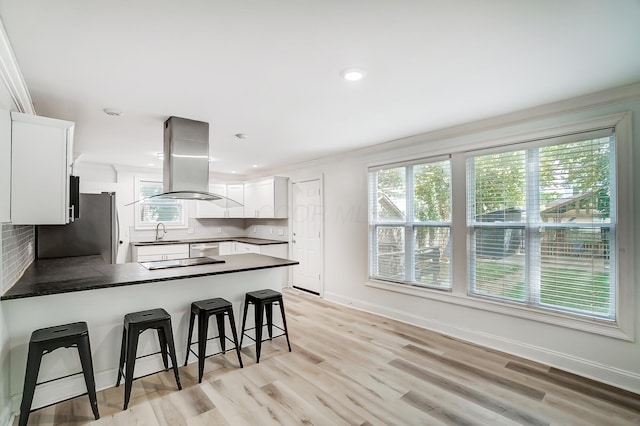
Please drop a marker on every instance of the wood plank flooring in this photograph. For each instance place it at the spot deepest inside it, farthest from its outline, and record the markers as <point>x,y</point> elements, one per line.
<point>349,367</point>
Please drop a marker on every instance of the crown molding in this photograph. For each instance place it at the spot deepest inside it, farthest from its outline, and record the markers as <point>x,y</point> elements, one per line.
<point>12,76</point>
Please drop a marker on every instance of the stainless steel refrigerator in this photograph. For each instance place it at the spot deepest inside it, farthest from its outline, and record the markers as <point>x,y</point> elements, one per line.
<point>94,232</point>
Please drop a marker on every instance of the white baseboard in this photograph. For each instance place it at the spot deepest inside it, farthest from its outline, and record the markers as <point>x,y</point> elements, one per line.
<point>583,367</point>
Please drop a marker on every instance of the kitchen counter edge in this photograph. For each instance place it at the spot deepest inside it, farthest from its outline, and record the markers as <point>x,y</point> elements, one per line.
<point>248,240</point>
<point>56,276</point>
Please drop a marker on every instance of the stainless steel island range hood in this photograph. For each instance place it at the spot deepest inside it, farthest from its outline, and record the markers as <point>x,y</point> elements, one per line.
<point>186,162</point>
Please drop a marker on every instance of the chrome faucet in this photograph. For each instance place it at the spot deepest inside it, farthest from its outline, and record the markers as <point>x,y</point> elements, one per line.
<point>164,231</point>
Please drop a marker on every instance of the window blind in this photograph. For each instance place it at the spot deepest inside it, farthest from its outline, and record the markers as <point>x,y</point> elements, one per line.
<point>409,221</point>
<point>155,210</point>
<point>541,224</point>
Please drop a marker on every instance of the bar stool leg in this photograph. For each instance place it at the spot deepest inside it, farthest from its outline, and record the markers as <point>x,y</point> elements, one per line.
<point>31,376</point>
<point>221,331</point>
<point>269,308</point>
<point>163,348</point>
<point>123,351</point>
<point>284,323</point>
<point>232,322</point>
<point>244,319</point>
<point>132,349</point>
<point>259,310</point>
<point>191,319</point>
<point>84,350</point>
<point>168,335</point>
<point>203,329</point>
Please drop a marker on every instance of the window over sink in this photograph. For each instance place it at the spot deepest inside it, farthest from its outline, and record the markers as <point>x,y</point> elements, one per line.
<point>150,212</point>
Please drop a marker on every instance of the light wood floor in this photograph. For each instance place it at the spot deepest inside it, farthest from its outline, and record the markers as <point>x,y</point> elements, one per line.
<point>350,367</point>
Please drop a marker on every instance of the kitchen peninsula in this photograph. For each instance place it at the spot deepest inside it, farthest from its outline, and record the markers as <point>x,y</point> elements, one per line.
<point>60,291</point>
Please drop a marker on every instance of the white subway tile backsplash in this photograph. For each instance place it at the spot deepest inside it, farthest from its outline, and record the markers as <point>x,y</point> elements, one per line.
<point>18,252</point>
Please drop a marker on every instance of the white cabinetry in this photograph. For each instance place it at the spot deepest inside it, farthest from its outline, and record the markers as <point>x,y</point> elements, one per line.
<point>266,198</point>
<point>41,160</point>
<point>276,250</point>
<point>247,248</point>
<point>236,247</point>
<point>159,252</point>
<point>222,208</point>
<point>227,248</point>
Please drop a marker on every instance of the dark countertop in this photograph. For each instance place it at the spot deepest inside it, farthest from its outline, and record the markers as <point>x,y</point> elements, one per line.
<point>69,274</point>
<point>254,241</point>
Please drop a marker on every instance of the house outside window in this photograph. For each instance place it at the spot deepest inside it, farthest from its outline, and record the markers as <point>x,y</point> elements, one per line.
<point>149,212</point>
<point>542,224</point>
<point>410,219</point>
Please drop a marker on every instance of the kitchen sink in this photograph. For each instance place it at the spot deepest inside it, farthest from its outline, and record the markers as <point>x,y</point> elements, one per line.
<point>180,263</point>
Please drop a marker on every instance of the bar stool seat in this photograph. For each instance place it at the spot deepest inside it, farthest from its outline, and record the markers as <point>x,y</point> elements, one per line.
<point>263,301</point>
<point>46,340</point>
<point>134,324</point>
<point>204,309</point>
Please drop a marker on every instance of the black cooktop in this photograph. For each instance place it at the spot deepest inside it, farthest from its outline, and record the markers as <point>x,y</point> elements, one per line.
<point>180,263</point>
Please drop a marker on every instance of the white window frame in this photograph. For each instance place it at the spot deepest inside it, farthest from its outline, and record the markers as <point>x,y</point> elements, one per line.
<point>410,224</point>
<point>624,326</point>
<point>140,225</point>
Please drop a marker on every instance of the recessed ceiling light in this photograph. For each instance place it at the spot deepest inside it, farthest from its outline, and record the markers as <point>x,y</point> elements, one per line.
<point>254,166</point>
<point>233,171</point>
<point>353,74</point>
<point>241,136</point>
<point>112,112</point>
<point>150,164</point>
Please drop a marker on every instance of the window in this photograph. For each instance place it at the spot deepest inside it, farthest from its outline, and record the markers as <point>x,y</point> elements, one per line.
<point>542,225</point>
<point>149,212</point>
<point>537,225</point>
<point>410,220</point>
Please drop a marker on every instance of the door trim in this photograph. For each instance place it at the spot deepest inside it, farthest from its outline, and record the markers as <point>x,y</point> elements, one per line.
<point>320,180</point>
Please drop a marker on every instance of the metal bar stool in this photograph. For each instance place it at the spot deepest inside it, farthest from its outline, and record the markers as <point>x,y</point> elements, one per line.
<point>204,309</point>
<point>46,340</point>
<point>134,324</point>
<point>263,300</point>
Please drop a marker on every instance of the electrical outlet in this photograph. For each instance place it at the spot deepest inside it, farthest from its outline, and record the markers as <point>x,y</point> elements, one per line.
<point>191,230</point>
<point>281,232</point>
<point>219,230</point>
<point>271,231</point>
<point>255,229</point>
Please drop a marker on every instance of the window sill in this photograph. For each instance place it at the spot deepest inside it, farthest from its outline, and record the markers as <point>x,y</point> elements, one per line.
<point>594,326</point>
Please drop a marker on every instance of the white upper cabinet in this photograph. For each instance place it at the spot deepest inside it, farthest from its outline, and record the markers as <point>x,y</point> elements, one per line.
<point>222,208</point>
<point>41,160</point>
<point>212,209</point>
<point>235,192</point>
<point>266,198</point>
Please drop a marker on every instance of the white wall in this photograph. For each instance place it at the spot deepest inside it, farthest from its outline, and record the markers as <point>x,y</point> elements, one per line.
<point>6,104</point>
<point>346,272</point>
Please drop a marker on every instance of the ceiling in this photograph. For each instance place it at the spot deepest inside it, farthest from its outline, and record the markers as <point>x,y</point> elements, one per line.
<point>271,69</point>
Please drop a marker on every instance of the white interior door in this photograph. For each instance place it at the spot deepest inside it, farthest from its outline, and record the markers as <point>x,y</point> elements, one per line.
<point>306,229</point>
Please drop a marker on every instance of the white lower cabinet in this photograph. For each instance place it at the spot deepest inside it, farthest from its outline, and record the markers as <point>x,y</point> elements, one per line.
<point>276,250</point>
<point>159,252</point>
<point>227,248</point>
<point>235,247</point>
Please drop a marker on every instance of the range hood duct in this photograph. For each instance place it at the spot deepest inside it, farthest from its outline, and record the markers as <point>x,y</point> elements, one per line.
<point>186,163</point>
